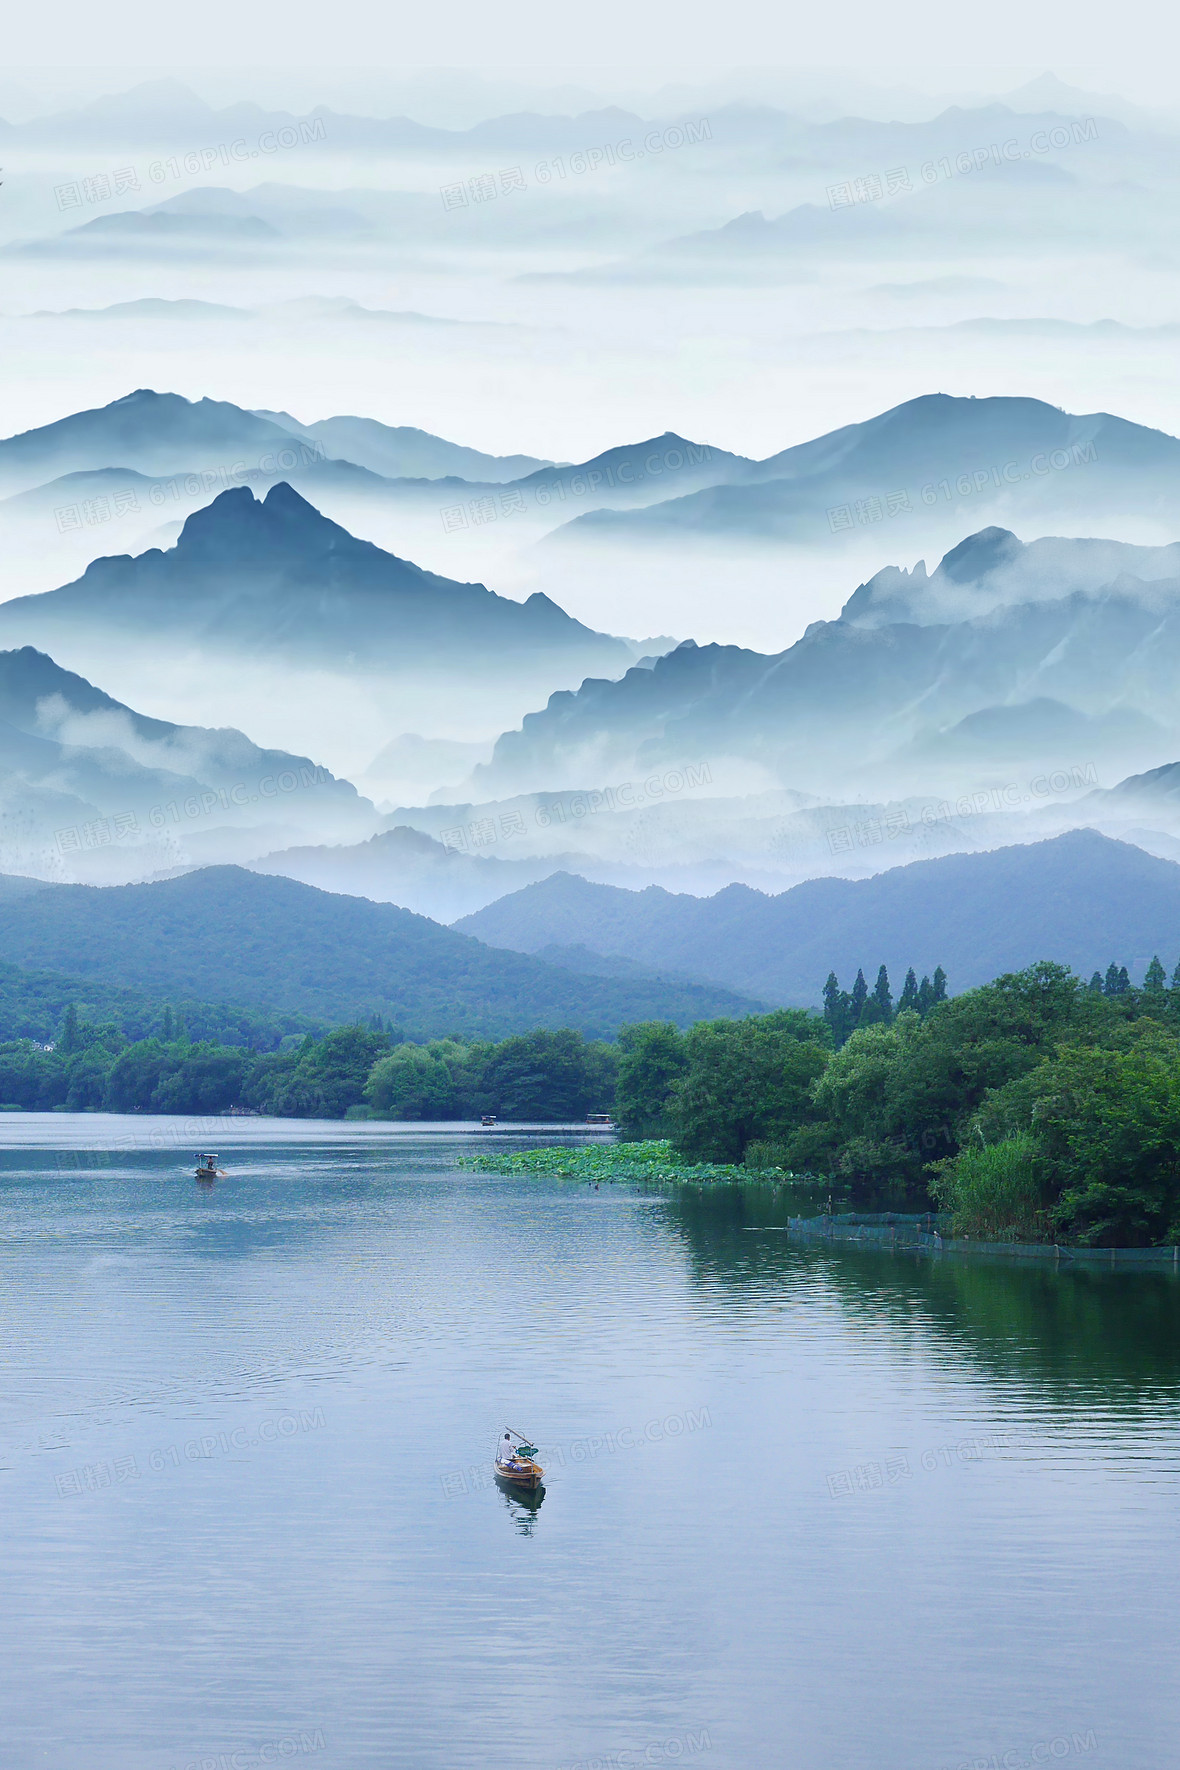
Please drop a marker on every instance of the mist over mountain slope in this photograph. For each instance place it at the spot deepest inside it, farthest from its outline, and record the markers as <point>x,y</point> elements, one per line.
<point>152,433</point>
<point>865,700</point>
<point>278,578</point>
<point>972,456</point>
<point>401,452</point>
<point>93,790</point>
<point>993,569</point>
<point>909,483</point>
<point>618,529</point>
<point>1080,899</point>
<point>269,605</point>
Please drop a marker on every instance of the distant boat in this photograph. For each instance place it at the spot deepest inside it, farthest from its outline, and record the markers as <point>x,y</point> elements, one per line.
<point>602,1119</point>
<point>488,1120</point>
<point>208,1169</point>
<point>523,1474</point>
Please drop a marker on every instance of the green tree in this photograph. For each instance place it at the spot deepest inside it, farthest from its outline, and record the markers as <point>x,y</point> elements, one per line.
<point>88,1073</point>
<point>412,1082</point>
<point>882,998</point>
<point>938,990</point>
<point>1106,1121</point>
<point>1095,983</point>
<point>860,995</point>
<point>68,1042</point>
<point>652,1058</point>
<point>545,1076</point>
<point>322,1079</point>
<point>898,1098</point>
<point>206,1078</point>
<point>837,1010</point>
<point>747,1081</point>
<point>135,1075</point>
<point>908,1002</point>
<point>1156,977</point>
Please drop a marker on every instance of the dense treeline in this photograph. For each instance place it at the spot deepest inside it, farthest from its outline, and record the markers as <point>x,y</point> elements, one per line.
<point>33,1005</point>
<point>1036,1106</point>
<point>847,1010</point>
<point>359,1069</point>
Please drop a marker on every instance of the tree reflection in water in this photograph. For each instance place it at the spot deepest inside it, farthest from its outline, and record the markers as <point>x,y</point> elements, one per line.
<point>1076,1337</point>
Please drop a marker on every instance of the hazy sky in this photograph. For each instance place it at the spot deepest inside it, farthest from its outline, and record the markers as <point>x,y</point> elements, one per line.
<point>832,238</point>
<point>591,308</point>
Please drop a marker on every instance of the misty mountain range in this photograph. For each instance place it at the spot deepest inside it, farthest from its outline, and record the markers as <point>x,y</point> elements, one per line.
<point>161,434</point>
<point>437,621</point>
<point>1073,648</point>
<point>269,605</point>
<point>1080,899</point>
<point>166,111</point>
<point>932,467</point>
<point>965,456</point>
<point>93,789</point>
<point>1055,655</point>
<point>278,580</point>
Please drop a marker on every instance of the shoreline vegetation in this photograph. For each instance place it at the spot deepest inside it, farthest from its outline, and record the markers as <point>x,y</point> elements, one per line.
<point>650,1160</point>
<point>1037,1109</point>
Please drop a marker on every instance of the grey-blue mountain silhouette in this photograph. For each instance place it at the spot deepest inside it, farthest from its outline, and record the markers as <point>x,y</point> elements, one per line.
<point>866,688</point>
<point>1080,899</point>
<point>931,456</point>
<point>992,569</point>
<point>398,451</point>
<point>278,580</point>
<point>69,752</point>
<point>163,433</point>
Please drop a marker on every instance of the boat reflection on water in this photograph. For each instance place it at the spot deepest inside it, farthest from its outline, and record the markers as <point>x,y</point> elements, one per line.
<point>523,1504</point>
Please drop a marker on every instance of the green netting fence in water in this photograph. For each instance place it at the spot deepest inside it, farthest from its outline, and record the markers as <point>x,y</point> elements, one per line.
<point>928,1231</point>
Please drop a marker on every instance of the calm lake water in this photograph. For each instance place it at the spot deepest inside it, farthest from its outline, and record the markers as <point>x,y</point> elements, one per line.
<point>814,1507</point>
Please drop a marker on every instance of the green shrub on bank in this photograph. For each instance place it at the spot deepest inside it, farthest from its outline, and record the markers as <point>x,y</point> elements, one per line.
<point>996,1191</point>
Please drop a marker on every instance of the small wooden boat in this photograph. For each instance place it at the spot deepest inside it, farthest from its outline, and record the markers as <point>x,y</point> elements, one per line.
<point>488,1120</point>
<point>523,1474</point>
<point>602,1119</point>
<point>208,1169</point>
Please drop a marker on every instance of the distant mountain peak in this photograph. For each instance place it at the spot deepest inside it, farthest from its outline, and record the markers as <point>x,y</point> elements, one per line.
<point>980,554</point>
<point>993,569</point>
<point>239,525</point>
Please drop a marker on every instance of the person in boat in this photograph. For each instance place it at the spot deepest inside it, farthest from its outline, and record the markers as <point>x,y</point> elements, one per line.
<point>506,1454</point>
